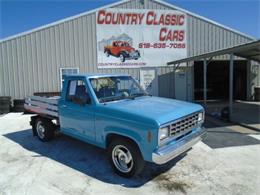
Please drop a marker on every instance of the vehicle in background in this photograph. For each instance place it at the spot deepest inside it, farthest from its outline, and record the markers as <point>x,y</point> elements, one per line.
<point>122,50</point>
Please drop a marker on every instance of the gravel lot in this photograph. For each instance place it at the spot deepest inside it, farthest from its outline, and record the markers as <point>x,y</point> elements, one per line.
<point>226,162</point>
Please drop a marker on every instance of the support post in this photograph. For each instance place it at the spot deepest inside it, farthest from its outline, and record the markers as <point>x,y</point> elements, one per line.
<point>231,73</point>
<point>205,82</point>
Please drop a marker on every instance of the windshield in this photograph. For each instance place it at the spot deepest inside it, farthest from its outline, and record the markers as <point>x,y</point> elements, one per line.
<point>116,88</point>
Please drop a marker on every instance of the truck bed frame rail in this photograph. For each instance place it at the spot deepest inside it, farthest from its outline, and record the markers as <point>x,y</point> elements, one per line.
<point>42,105</point>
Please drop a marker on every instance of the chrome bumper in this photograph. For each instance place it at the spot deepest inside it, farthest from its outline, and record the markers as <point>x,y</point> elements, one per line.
<point>170,151</point>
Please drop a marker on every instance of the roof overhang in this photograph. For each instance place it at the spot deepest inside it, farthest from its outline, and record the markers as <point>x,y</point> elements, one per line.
<point>250,51</point>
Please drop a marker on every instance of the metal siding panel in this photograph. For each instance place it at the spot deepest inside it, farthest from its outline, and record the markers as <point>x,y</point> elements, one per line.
<point>62,38</point>
<point>80,44</point>
<point>44,68</point>
<point>66,45</point>
<point>22,63</point>
<point>53,56</point>
<point>75,42</point>
<point>85,32</point>
<point>16,76</point>
<point>89,46</point>
<point>30,48</point>
<point>93,44</point>
<point>189,37</point>
<point>38,62</point>
<point>11,71</point>
<point>22,69</point>
<point>47,48</point>
<point>202,37</point>
<point>2,73</point>
<point>71,44</point>
<point>7,87</point>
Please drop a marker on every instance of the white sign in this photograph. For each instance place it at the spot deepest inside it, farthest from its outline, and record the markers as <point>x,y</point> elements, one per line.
<point>128,38</point>
<point>149,81</point>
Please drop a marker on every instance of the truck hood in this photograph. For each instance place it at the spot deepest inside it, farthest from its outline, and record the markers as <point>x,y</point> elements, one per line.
<point>161,110</point>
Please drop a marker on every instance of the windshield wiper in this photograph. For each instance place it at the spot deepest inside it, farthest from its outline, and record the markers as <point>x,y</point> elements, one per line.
<point>107,99</point>
<point>134,95</point>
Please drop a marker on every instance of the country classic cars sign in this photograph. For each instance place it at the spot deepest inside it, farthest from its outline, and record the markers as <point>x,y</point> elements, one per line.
<point>128,38</point>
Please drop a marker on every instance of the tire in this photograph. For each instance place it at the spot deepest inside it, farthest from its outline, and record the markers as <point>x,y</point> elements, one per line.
<point>18,105</point>
<point>5,98</point>
<point>134,167</point>
<point>107,53</point>
<point>122,57</point>
<point>5,104</point>
<point>44,129</point>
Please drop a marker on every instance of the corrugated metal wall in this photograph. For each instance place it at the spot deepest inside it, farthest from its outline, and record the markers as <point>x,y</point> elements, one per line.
<point>31,63</point>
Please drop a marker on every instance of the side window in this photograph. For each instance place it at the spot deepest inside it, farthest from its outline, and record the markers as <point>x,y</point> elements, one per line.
<point>77,91</point>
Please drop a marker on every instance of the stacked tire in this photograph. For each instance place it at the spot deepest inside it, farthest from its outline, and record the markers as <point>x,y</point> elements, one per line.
<point>18,105</point>
<point>5,104</point>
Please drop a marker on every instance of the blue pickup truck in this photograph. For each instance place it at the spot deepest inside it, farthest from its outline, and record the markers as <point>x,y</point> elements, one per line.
<point>113,112</point>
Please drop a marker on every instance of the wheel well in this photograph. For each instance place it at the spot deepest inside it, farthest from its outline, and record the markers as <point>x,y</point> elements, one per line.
<point>112,136</point>
<point>122,52</point>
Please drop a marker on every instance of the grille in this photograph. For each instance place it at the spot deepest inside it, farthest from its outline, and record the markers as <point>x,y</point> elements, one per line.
<point>184,125</point>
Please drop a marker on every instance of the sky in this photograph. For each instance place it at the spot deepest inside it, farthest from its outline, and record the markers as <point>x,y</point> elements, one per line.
<point>17,16</point>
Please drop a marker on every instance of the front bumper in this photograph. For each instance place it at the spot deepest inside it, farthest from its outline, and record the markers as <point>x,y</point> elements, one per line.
<point>170,151</point>
<point>133,55</point>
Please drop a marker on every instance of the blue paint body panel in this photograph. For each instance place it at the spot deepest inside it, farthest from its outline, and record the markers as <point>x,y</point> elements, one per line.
<point>132,118</point>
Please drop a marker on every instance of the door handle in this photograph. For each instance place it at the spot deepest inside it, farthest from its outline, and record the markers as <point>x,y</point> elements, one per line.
<point>64,106</point>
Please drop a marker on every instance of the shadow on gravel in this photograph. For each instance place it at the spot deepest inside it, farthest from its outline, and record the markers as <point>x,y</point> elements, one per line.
<point>85,158</point>
<point>220,136</point>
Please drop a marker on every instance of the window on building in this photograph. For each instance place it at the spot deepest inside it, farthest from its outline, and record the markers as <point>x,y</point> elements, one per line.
<point>67,71</point>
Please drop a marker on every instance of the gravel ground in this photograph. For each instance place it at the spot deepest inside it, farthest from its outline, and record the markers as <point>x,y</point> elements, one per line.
<point>226,162</point>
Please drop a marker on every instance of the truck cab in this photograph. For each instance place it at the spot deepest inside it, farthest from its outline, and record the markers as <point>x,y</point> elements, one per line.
<point>114,112</point>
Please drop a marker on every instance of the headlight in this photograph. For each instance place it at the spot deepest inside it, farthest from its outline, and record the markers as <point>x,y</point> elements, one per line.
<point>200,117</point>
<point>163,133</point>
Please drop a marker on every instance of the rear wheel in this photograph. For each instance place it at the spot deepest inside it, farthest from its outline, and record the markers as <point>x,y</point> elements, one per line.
<point>44,129</point>
<point>107,53</point>
<point>125,157</point>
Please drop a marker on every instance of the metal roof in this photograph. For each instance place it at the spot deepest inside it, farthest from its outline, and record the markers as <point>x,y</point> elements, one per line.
<point>116,4</point>
<point>249,50</point>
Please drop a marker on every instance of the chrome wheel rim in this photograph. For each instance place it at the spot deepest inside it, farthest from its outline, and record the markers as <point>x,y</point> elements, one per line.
<point>40,129</point>
<point>122,159</point>
<point>121,57</point>
<point>107,54</point>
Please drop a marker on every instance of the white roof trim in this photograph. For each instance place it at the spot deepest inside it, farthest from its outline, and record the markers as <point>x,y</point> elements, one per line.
<point>203,18</point>
<point>115,4</point>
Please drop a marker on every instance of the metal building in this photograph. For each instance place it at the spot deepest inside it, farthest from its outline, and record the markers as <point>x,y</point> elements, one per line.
<point>34,61</point>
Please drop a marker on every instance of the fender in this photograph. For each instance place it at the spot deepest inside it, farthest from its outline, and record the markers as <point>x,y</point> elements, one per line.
<point>131,134</point>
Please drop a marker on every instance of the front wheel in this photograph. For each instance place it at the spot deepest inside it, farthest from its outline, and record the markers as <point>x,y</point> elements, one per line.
<point>122,57</point>
<point>125,158</point>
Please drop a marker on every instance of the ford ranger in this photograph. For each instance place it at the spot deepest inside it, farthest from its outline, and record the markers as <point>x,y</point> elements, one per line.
<point>113,112</point>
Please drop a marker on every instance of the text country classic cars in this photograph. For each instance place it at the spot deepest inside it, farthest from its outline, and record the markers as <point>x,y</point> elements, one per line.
<point>147,18</point>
